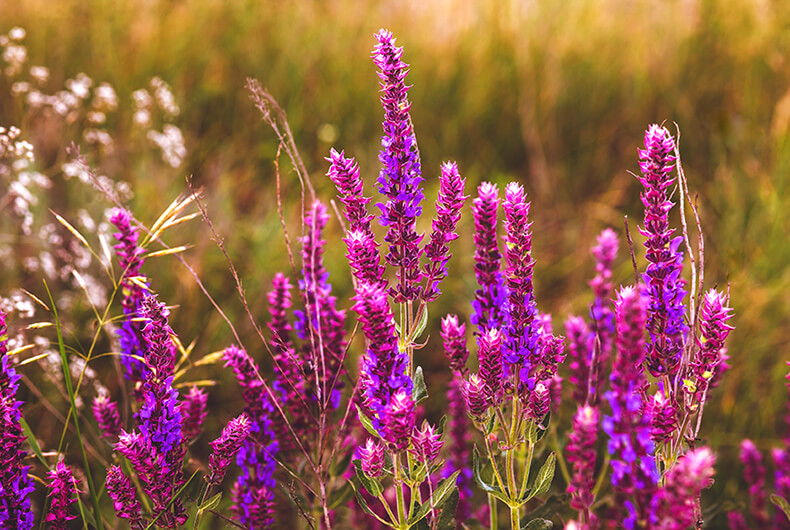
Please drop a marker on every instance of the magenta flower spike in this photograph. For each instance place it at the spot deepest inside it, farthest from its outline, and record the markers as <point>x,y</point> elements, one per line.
<point>580,454</point>
<point>15,483</point>
<point>454,340</point>
<point>122,493</point>
<point>605,252</point>
<point>675,505</point>
<point>634,472</point>
<point>131,261</point>
<point>663,415</point>
<point>253,492</point>
<point>372,457</point>
<point>61,490</point>
<point>580,350</point>
<point>754,476</point>
<point>226,447</point>
<point>384,369</point>
<point>491,298</point>
<point>459,433</point>
<point>344,172</point>
<point>400,176</point>
<point>665,260</point>
<point>107,416</point>
<point>398,421</point>
<point>321,324</point>
<point>426,444</point>
<point>448,211</point>
<point>714,315</point>
<point>194,410</point>
<point>474,391</point>
<point>490,359</point>
<point>521,335</point>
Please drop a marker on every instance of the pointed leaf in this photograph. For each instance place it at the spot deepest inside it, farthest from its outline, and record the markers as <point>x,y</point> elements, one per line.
<point>365,508</point>
<point>211,503</point>
<point>543,480</point>
<point>366,423</point>
<point>446,519</point>
<point>419,392</point>
<point>422,324</point>
<point>782,504</point>
<point>440,495</point>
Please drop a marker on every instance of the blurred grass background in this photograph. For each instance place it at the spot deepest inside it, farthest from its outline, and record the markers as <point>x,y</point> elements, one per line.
<point>555,95</point>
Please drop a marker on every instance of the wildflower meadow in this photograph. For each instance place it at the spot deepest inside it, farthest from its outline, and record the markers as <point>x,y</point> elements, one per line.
<point>400,370</point>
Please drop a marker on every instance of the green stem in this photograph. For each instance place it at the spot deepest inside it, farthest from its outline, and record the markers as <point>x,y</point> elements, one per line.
<point>511,487</point>
<point>525,480</point>
<point>401,504</point>
<point>490,452</point>
<point>199,514</point>
<point>492,512</point>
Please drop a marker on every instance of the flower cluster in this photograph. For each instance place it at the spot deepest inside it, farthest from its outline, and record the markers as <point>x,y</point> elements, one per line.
<point>490,299</point>
<point>62,487</point>
<point>15,483</point>
<point>634,471</point>
<point>581,455</point>
<point>665,260</point>
<point>130,260</point>
<point>400,176</point>
<point>605,252</point>
<point>253,492</point>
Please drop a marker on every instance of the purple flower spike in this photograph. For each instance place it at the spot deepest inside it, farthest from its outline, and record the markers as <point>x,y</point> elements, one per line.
<point>454,340</point>
<point>122,493</point>
<point>15,483</point>
<point>448,212</point>
<point>384,367</point>
<point>107,416</point>
<point>61,488</point>
<point>426,444</point>
<point>605,252</point>
<point>194,410</point>
<point>522,334</point>
<point>539,402</point>
<point>225,448</point>
<point>130,259</point>
<point>398,421</point>
<point>344,172</point>
<point>475,395</point>
<point>490,358</point>
<point>714,328</point>
<point>675,506</point>
<point>372,456</point>
<point>400,176</point>
<point>580,349</point>
<point>580,453</point>
<point>634,472</point>
<point>363,256</point>
<point>754,476</point>
<point>665,261</point>
<point>160,352</point>
<point>490,298</point>
<point>459,444</point>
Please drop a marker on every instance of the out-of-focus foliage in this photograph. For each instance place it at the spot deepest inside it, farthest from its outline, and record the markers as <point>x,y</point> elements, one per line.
<point>554,94</point>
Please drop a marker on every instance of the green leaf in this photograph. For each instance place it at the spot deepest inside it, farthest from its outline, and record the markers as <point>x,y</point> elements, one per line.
<point>366,423</point>
<point>31,439</point>
<point>537,524</point>
<point>419,392</point>
<point>781,503</point>
<point>422,524</point>
<point>480,471</point>
<point>422,324</point>
<point>365,508</point>
<point>372,485</point>
<point>211,503</point>
<point>491,424</point>
<point>543,428</point>
<point>532,432</point>
<point>446,519</point>
<point>441,425</point>
<point>340,496</point>
<point>440,495</point>
<point>543,480</point>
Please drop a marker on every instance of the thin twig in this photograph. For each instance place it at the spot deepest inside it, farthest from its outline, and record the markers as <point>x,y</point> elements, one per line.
<point>631,248</point>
